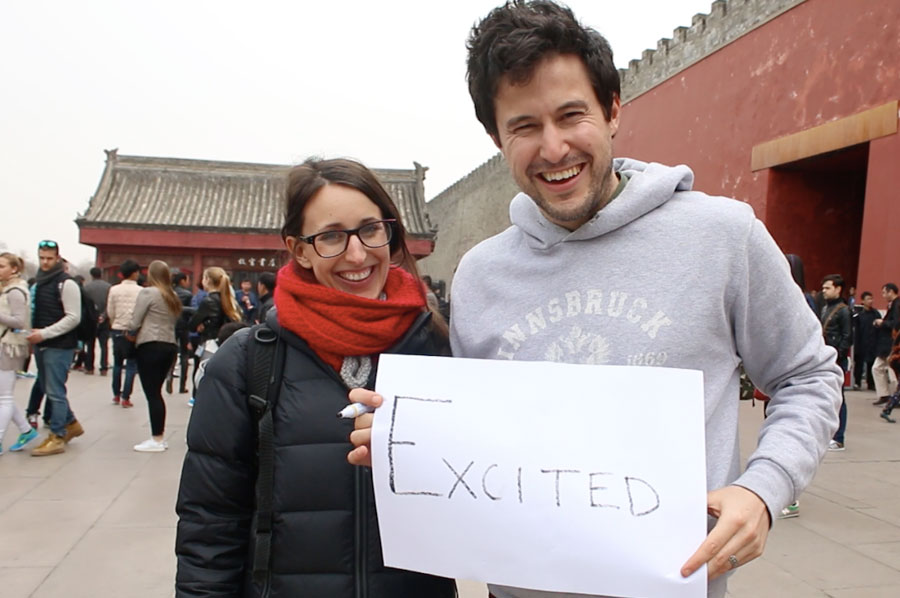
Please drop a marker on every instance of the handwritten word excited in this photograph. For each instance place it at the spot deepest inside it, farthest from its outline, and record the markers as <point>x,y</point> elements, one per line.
<point>600,489</point>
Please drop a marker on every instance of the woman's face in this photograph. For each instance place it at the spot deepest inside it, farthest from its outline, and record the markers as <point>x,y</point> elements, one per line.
<point>7,270</point>
<point>360,270</point>
<point>205,281</point>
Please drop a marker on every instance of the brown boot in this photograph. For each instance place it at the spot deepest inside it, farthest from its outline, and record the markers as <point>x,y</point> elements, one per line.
<point>52,445</point>
<point>73,430</point>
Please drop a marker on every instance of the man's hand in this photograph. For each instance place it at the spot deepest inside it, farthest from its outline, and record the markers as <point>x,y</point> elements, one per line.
<point>361,436</point>
<point>741,531</point>
<point>35,337</point>
<point>877,322</point>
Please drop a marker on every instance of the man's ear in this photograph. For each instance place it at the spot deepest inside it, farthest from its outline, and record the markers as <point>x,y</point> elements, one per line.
<point>296,250</point>
<point>614,113</point>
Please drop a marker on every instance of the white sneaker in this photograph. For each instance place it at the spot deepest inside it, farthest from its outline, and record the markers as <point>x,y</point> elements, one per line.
<point>835,446</point>
<point>151,446</point>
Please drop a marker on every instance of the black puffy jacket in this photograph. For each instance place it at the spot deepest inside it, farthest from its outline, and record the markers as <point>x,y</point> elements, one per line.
<point>325,531</point>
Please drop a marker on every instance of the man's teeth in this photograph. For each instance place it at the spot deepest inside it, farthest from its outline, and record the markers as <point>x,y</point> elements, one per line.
<point>356,276</point>
<point>562,174</point>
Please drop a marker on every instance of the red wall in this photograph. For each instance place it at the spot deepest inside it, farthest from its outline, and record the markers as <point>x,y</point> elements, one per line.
<point>834,201</point>
<point>820,61</point>
<point>879,257</point>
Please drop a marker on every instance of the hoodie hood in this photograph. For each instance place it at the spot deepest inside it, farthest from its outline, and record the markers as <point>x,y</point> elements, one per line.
<point>649,186</point>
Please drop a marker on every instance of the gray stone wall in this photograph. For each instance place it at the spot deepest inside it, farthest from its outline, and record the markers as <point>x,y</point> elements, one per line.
<point>476,207</point>
<point>472,209</point>
<point>726,21</point>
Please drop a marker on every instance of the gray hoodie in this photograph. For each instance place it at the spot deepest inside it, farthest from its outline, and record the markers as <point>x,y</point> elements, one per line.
<point>671,277</point>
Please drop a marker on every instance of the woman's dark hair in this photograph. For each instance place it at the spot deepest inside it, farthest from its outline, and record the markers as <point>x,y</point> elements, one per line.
<point>515,37</point>
<point>796,269</point>
<point>307,179</point>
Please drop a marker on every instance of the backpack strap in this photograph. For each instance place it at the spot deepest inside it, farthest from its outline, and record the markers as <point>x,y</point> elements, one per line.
<point>265,363</point>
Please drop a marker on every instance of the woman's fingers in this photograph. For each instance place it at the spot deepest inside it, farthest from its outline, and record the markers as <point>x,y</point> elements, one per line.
<point>367,397</point>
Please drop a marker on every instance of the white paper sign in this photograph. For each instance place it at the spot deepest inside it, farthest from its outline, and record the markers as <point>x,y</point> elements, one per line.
<point>557,477</point>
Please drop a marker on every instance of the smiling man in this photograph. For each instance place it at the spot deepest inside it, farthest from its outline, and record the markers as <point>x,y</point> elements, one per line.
<point>597,265</point>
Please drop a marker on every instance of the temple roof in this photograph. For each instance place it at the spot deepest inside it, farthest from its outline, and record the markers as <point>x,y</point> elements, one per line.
<point>177,194</point>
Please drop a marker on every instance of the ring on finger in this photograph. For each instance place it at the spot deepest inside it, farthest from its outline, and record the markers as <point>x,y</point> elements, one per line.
<point>733,561</point>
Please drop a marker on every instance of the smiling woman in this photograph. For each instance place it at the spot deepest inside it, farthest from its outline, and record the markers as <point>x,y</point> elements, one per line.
<point>350,292</point>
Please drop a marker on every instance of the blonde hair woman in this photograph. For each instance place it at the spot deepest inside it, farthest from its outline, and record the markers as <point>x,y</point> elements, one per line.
<point>155,314</point>
<point>217,308</point>
<point>15,319</point>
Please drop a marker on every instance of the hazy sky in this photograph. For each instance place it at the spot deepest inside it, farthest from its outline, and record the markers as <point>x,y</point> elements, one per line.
<point>268,81</point>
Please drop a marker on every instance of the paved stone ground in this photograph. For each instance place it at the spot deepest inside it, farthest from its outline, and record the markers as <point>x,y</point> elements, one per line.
<point>99,520</point>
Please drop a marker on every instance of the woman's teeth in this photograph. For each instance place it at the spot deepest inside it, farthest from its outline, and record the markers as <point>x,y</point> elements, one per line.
<point>356,276</point>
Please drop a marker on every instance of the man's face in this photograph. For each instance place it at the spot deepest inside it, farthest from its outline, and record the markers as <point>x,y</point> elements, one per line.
<point>829,291</point>
<point>260,289</point>
<point>48,258</point>
<point>245,286</point>
<point>184,283</point>
<point>557,140</point>
<point>867,301</point>
<point>888,294</point>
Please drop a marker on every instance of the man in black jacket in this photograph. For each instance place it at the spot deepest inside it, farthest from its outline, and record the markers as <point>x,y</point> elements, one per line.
<point>864,335</point>
<point>57,312</point>
<point>266,289</point>
<point>885,380</point>
<point>835,318</point>
<point>183,291</point>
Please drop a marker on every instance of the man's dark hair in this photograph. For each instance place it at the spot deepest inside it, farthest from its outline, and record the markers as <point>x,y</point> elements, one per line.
<point>128,268</point>
<point>96,272</point>
<point>515,37</point>
<point>227,330</point>
<point>836,279</point>
<point>891,287</point>
<point>177,278</point>
<point>267,279</point>
<point>865,294</point>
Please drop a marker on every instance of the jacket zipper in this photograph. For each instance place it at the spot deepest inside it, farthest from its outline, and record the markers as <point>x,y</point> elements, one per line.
<point>360,532</point>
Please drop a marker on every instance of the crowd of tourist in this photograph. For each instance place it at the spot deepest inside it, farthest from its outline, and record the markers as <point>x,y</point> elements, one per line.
<point>156,325</point>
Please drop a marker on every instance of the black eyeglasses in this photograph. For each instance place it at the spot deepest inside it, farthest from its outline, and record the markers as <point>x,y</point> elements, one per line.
<point>332,243</point>
<point>48,245</point>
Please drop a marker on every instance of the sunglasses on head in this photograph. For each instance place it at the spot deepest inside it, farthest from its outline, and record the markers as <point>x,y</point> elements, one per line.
<point>48,245</point>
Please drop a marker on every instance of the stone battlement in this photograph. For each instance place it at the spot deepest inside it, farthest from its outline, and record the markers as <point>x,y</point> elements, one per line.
<point>726,21</point>
<point>474,180</point>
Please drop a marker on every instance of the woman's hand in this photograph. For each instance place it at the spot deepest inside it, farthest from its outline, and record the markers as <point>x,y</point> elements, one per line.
<point>361,436</point>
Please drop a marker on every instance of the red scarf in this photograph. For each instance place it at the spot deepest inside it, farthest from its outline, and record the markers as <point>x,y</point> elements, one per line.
<point>338,324</point>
